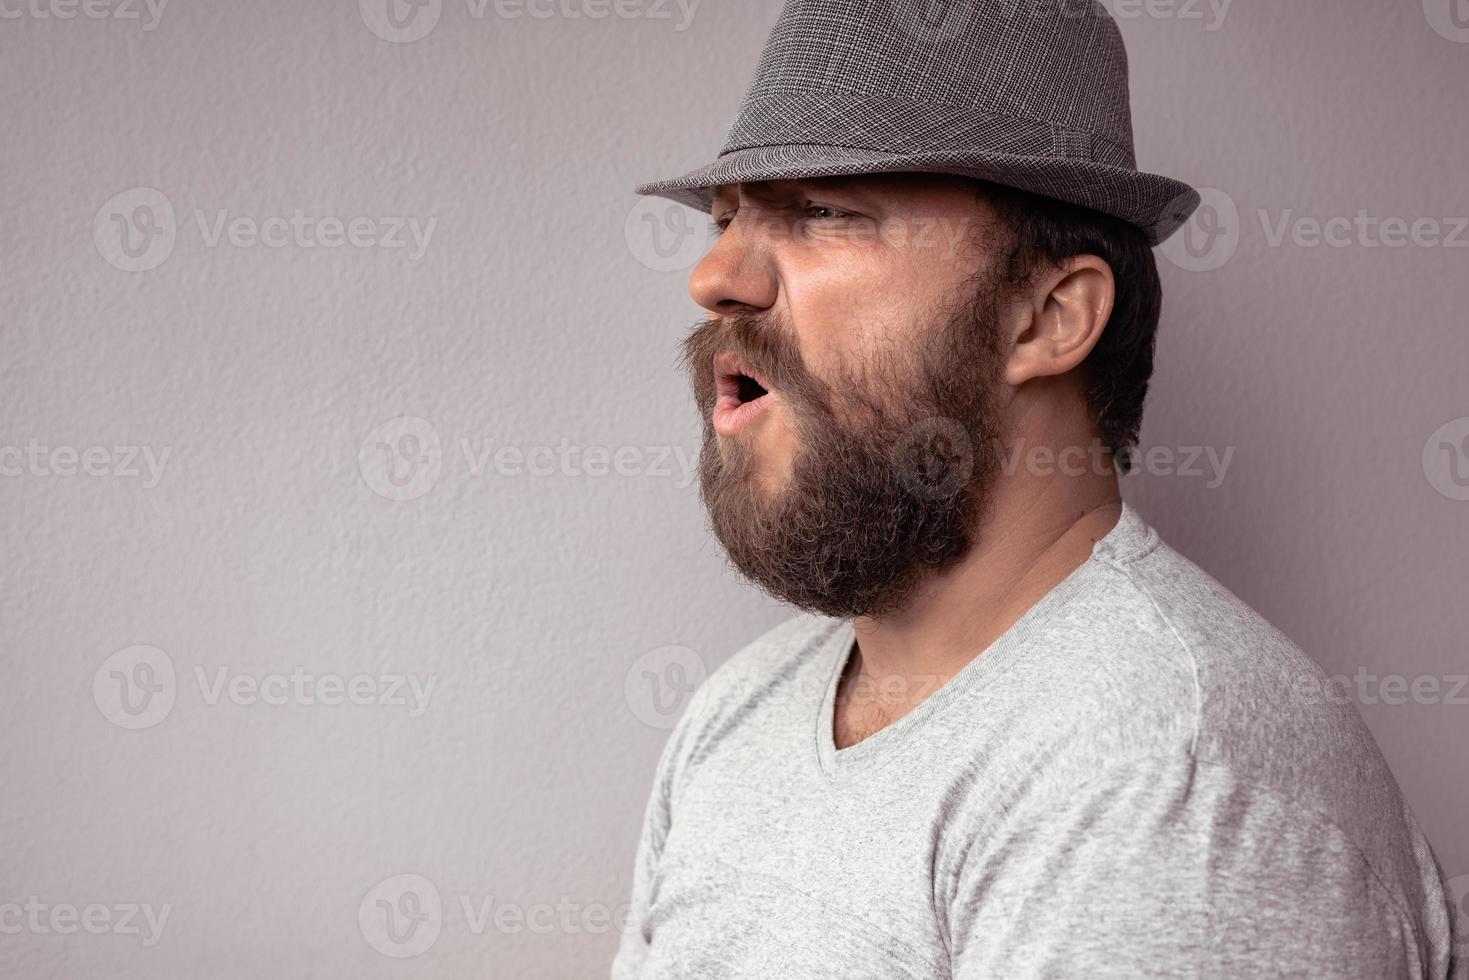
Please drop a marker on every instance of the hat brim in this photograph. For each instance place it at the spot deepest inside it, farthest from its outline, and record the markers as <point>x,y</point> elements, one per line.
<point>1156,204</point>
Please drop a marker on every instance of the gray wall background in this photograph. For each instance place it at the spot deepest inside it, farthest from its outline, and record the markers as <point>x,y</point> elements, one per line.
<point>164,744</point>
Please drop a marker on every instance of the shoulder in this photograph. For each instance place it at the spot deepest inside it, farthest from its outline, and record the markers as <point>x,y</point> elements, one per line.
<point>1193,691</point>
<point>1253,699</point>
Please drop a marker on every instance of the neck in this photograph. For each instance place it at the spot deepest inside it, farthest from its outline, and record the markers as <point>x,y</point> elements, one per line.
<point>1036,531</point>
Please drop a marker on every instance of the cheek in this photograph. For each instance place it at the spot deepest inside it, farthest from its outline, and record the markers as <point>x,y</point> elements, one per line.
<point>843,331</point>
<point>855,308</point>
<point>871,341</point>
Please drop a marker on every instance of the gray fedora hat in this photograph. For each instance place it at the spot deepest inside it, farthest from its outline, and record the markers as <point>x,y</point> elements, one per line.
<point>1031,94</point>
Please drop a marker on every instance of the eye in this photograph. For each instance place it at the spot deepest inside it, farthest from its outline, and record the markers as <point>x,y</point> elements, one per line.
<point>719,224</point>
<point>823,212</point>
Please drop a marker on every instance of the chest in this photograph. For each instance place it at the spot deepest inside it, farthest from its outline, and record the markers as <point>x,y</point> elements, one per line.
<point>797,881</point>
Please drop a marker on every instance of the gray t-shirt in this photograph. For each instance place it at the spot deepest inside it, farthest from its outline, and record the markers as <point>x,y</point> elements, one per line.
<point>1140,778</point>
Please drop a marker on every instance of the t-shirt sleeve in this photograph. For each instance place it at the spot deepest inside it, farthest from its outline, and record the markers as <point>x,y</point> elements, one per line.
<point>1173,868</point>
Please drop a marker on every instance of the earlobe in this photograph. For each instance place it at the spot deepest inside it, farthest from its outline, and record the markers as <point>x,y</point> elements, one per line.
<point>1021,366</point>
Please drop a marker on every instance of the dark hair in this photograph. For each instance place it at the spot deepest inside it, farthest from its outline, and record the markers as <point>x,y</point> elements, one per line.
<point>1044,233</point>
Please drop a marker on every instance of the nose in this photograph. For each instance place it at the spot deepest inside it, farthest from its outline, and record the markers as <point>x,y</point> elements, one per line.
<point>737,273</point>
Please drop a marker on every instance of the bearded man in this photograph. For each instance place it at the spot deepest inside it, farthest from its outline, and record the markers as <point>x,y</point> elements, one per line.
<point>1012,732</point>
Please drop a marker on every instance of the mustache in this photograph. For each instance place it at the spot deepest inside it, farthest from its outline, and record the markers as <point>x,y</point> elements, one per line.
<point>764,340</point>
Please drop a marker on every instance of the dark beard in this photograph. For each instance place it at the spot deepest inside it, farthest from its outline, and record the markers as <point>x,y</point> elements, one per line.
<point>891,476</point>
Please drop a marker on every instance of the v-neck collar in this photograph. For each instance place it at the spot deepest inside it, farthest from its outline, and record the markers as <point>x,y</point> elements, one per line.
<point>1124,537</point>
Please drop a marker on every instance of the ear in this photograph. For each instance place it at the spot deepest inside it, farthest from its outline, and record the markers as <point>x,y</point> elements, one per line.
<point>1061,320</point>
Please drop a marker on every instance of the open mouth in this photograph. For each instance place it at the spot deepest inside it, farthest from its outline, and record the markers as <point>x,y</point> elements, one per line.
<point>750,389</point>
<point>742,393</point>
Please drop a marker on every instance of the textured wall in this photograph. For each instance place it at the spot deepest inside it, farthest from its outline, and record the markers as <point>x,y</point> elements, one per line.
<point>346,502</point>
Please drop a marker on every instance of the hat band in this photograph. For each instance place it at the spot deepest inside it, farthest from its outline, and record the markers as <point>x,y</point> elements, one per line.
<point>889,125</point>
